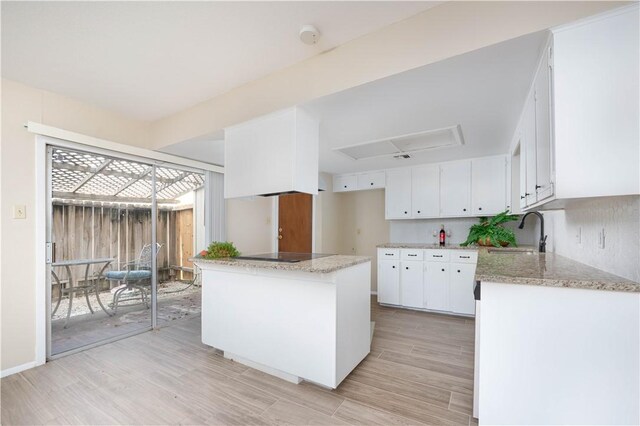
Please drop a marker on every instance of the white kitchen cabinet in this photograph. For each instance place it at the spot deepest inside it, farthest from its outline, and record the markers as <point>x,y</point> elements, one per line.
<point>488,185</point>
<point>411,284</point>
<point>529,140</point>
<point>372,180</point>
<point>462,276</point>
<point>455,188</point>
<point>436,286</point>
<point>343,183</point>
<point>425,191</point>
<point>389,282</point>
<point>397,195</point>
<point>542,97</point>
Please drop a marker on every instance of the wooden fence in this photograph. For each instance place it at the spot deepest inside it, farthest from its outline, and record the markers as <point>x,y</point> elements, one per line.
<point>90,232</point>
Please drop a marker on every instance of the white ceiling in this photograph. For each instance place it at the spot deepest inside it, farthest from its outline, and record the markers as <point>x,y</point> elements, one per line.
<point>482,91</point>
<point>151,59</point>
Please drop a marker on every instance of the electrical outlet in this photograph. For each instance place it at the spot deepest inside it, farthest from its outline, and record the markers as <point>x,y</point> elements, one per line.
<point>601,239</point>
<point>19,211</point>
<point>579,235</point>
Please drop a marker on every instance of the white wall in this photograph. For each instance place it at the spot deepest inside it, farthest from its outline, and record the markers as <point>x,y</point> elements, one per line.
<point>250,224</point>
<point>21,104</point>
<point>620,218</point>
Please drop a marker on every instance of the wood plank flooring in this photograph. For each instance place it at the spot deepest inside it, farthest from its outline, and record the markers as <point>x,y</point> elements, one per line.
<point>419,371</point>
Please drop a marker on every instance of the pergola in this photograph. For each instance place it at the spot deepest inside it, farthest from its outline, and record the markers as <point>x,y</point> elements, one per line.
<point>90,177</point>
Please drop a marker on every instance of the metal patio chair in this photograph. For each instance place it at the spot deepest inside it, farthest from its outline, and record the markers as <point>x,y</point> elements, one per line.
<point>136,275</point>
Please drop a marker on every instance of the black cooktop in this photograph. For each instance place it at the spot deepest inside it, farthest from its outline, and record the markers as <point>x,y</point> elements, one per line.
<point>284,257</point>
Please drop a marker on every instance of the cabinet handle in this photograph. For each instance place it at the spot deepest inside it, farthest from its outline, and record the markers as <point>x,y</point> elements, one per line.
<point>526,193</point>
<point>371,183</point>
<point>437,255</point>
<point>412,255</point>
<point>458,270</point>
<point>479,208</point>
<point>406,267</point>
<point>538,186</point>
<point>442,269</point>
<point>465,257</point>
<point>405,212</point>
<point>394,266</point>
<point>345,186</point>
<point>464,210</point>
<point>418,211</point>
<point>388,254</point>
<point>522,197</point>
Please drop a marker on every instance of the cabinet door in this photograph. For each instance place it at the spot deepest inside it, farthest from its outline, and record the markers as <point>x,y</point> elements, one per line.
<point>543,129</point>
<point>455,189</point>
<point>389,282</point>
<point>342,183</point>
<point>462,283</point>
<point>397,194</point>
<point>529,140</point>
<point>436,286</point>
<point>371,180</point>
<point>411,285</point>
<point>425,191</point>
<point>522,199</point>
<point>488,185</point>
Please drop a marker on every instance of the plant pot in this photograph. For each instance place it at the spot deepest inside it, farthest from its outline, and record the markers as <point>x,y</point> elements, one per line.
<point>487,243</point>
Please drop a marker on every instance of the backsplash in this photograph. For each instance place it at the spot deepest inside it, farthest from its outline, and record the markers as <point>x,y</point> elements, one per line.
<point>421,230</point>
<point>620,219</point>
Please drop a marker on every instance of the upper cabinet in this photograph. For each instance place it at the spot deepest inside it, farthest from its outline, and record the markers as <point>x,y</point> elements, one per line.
<point>425,191</point>
<point>397,197</point>
<point>488,185</point>
<point>580,126</point>
<point>455,188</point>
<point>475,187</point>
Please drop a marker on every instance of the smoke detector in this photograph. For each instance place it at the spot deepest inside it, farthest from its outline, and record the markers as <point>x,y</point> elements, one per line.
<point>309,34</point>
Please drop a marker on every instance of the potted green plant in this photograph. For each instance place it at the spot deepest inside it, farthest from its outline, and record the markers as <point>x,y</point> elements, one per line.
<point>491,232</point>
<point>220,249</point>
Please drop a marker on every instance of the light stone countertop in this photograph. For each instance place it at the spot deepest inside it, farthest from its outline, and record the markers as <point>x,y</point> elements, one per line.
<point>545,269</point>
<point>321,265</point>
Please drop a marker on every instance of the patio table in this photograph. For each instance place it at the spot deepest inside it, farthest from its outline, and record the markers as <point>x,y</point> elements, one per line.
<point>73,285</point>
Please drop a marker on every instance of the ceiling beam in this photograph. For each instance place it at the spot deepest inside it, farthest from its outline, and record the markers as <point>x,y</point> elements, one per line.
<point>132,181</point>
<point>107,198</point>
<point>92,170</point>
<point>90,176</point>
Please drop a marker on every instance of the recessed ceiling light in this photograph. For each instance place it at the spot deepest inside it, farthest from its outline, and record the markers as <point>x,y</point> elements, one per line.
<point>309,34</point>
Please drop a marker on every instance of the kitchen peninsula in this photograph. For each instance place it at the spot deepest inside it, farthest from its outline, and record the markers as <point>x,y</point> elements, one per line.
<point>308,320</point>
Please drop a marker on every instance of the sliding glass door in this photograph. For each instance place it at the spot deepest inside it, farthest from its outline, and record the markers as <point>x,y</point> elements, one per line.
<point>121,231</point>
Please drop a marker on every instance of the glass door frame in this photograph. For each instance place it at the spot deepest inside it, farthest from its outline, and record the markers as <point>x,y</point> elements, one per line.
<point>49,145</point>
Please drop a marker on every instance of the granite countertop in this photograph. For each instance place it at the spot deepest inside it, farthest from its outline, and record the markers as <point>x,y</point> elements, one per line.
<point>545,269</point>
<point>322,265</point>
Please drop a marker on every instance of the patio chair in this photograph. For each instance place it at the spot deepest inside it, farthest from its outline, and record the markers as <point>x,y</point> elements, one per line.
<point>136,275</point>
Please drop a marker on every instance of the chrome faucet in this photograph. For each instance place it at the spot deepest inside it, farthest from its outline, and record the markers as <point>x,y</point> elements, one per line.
<point>542,247</point>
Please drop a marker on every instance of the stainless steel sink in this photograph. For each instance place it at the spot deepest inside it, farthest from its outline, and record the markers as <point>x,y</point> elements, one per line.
<point>512,251</point>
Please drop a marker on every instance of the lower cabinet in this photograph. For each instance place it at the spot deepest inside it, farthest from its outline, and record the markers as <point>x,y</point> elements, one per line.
<point>389,275</point>
<point>462,284</point>
<point>411,284</point>
<point>436,286</point>
<point>445,284</point>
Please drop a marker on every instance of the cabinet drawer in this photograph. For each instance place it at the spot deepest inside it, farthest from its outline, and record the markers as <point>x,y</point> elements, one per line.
<point>410,254</point>
<point>464,256</point>
<point>371,180</point>
<point>437,255</point>
<point>388,254</point>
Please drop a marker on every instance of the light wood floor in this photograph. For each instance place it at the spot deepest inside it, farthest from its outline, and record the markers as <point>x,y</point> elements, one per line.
<point>419,371</point>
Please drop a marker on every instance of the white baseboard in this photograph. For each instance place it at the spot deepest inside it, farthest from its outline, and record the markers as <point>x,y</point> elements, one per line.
<point>17,369</point>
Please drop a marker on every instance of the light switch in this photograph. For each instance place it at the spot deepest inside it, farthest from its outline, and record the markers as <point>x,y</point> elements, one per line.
<point>19,211</point>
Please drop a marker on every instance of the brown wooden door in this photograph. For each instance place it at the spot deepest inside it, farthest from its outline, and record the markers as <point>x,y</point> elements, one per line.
<point>294,223</point>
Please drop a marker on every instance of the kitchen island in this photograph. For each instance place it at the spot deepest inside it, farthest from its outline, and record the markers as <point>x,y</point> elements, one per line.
<point>308,320</point>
